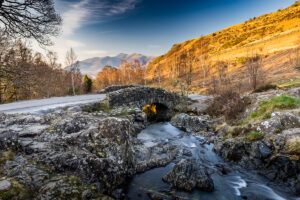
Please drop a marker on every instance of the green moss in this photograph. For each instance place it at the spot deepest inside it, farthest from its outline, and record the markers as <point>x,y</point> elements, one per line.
<point>226,137</point>
<point>5,156</point>
<point>16,192</point>
<point>80,187</point>
<point>267,116</point>
<point>72,180</point>
<point>101,106</point>
<point>254,136</point>
<point>281,102</point>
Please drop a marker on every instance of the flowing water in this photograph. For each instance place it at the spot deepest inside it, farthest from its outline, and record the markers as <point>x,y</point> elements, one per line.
<point>235,185</point>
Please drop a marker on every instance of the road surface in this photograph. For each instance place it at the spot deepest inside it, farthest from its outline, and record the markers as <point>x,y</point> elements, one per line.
<point>47,105</point>
<point>41,106</point>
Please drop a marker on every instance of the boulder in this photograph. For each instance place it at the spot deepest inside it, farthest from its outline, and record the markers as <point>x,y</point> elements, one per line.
<point>279,121</point>
<point>188,175</point>
<point>191,123</point>
<point>4,185</point>
<point>260,150</point>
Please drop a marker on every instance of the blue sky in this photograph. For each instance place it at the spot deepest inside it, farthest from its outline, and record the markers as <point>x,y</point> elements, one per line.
<point>108,27</point>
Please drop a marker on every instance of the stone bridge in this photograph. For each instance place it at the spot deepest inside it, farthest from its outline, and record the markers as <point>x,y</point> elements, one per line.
<point>141,96</point>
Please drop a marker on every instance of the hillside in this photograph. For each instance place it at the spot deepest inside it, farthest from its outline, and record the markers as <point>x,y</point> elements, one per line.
<point>92,66</point>
<point>267,34</point>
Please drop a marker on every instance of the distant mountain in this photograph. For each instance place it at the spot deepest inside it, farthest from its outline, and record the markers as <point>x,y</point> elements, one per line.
<point>92,66</point>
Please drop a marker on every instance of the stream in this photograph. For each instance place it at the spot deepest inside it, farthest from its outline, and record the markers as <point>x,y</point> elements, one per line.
<point>236,185</point>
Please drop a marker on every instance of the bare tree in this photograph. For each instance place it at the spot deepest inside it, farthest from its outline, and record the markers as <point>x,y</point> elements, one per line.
<point>203,60</point>
<point>72,63</point>
<point>52,79</point>
<point>35,19</point>
<point>222,68</point>
<point>297,52</point>
<point>214,85</point>
<point>159,75</point>
<point>254,64</point>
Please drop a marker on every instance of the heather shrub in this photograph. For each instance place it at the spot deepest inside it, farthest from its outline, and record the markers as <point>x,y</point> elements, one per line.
<point>229,104</point>
<point>265,88</point>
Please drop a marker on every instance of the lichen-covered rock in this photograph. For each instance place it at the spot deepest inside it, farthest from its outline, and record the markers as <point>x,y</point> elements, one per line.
<point>5,185</point>
<point>191,123</point>
<point>95,147</point>
<point>279,121</point>
<point>295,92</point>
<point>116,129</point>
<point>188,175</point>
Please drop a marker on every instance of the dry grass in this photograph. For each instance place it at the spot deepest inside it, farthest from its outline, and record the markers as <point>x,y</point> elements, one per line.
<point>293,145</point>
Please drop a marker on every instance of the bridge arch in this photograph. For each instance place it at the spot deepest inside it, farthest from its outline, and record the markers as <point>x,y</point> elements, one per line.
<point>141,96</point>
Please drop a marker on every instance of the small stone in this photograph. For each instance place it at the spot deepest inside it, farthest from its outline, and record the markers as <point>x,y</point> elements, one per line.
<point>5,185</point>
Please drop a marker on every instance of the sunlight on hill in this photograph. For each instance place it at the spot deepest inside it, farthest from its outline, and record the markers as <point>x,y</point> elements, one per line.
<point>265,35</point>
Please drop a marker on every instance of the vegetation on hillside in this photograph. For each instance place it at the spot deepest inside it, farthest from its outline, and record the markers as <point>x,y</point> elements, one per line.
<point>248,32</point>
<point>127,73</point>
<point>198,64</point>
<point>266,108</point>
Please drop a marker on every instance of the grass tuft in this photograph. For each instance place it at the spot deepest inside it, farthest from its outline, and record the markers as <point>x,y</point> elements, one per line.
<point>254,136</point>
<point>281,102</point>
<point>293,145</point>
<point>101,106</point>
<point>288,84</point>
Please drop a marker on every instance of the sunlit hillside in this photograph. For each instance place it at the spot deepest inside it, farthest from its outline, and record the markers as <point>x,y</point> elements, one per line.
<point>265,35</point>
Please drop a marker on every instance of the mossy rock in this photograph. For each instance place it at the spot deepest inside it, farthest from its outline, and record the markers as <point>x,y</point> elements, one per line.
<point>17,191</point>
<point>293,146</point>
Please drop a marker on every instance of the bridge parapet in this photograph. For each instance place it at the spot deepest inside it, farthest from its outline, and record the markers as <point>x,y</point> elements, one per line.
<point>141,96</point>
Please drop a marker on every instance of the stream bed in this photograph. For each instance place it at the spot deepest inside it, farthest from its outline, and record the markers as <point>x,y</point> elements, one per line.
<point>238,184</point>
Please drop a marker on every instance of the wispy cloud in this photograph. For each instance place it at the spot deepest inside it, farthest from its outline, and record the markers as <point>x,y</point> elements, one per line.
<point>91,11</point>
<point>74,17</point>
<point>121,7</point>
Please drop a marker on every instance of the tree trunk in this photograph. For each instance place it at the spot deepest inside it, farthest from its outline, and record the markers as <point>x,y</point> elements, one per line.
<point>73,87</point>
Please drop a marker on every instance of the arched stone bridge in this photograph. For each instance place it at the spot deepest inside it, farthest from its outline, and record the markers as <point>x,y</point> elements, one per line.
<point>141,96</point>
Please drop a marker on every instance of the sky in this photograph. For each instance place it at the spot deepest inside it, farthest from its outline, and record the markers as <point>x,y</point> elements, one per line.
<point>96,28</point>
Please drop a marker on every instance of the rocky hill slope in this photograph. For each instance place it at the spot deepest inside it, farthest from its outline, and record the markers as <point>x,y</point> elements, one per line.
<point>266,35</point>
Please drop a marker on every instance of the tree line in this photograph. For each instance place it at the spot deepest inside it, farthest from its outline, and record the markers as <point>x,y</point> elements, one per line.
<point>27,75</point>
<point>127,73</point>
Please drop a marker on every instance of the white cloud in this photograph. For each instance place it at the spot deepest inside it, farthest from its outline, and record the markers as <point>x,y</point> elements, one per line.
<point>73,43</point>
<point>91,11</point>
<point>74,17</point>
<point>122,6</point>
